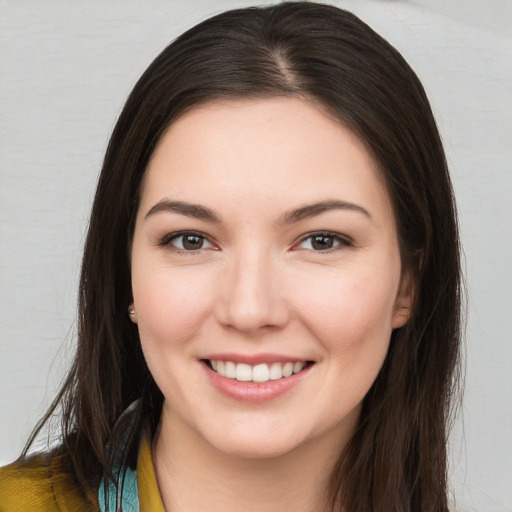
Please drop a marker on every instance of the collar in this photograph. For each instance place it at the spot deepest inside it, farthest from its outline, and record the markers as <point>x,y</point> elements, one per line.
<point>139,492</point>
<point>149,494</point>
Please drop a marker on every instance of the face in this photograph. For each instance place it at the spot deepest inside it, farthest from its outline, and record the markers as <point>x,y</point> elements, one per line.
<point>266,276</point>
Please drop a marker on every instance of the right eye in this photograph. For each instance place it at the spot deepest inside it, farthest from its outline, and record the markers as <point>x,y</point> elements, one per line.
<point>186,242</point>
<point>324,242</point>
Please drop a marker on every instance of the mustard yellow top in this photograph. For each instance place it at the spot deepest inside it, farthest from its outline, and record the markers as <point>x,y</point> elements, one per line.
<point>44,484</point>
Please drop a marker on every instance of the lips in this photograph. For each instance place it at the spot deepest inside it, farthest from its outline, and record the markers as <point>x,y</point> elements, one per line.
<point>255,378</point>
<point>259,373</point>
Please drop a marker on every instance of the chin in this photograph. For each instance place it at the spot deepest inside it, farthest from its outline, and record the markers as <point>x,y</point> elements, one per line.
<point>270,448</point>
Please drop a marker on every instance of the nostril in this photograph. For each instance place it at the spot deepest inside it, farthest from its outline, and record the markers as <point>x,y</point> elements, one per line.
<point>250,298</point>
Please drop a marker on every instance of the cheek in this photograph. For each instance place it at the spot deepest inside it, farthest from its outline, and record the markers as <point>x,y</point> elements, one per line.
<point>352,313</point>
<point>170,305</point>
<point>170,312</point>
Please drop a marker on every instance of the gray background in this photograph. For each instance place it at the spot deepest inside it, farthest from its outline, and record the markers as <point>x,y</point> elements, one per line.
<point>65,71</point>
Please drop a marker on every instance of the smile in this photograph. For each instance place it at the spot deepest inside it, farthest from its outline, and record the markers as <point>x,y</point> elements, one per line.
<point>259,373</point>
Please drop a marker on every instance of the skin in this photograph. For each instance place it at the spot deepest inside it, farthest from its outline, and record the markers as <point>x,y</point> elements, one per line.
<point>259,285</point>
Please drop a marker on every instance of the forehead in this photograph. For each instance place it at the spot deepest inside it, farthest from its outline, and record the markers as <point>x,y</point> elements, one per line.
<point>280,150</point>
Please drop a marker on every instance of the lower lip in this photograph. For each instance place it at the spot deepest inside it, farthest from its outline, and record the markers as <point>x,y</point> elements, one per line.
<point>254,391</point>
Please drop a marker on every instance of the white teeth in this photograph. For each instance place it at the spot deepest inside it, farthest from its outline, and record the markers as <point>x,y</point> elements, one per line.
<point>230,370</point>
<point>297,367</point>
<point>276,371</point>
<point>243,372</point>
<point>259,373</point>
<point>287,369</point>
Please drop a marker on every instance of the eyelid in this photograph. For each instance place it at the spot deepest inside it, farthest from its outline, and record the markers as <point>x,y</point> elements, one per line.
<point>344,241</point>
<point>166,241</point>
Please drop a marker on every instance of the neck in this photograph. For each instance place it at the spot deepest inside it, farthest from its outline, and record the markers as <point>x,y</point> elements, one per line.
<point>193,475</point>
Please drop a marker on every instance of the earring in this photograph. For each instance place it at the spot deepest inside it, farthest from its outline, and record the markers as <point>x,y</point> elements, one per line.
<point>131,312</point>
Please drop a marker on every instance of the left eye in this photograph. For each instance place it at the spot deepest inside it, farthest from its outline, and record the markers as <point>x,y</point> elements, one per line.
<point>322,242</point>
<point>189,242</point>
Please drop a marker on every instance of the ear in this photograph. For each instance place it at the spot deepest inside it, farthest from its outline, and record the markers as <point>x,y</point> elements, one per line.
<point>404,300</point>
<point>132,313</point>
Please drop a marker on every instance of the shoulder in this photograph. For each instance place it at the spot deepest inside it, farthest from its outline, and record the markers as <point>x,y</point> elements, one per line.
<point>42,483</point>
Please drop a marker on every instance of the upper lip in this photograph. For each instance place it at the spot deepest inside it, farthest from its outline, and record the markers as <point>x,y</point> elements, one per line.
<point>254,359</point>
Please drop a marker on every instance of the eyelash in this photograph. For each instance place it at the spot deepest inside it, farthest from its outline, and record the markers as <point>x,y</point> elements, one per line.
<point>342,241</point>
<point>167,240</point>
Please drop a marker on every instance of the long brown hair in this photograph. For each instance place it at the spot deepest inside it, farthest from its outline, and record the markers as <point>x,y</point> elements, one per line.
<point>396,460</point>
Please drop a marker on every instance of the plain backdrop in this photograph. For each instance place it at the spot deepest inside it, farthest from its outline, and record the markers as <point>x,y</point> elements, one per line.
<point>66,69</point>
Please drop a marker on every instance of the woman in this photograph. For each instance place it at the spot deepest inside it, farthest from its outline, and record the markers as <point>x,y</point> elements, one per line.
<point>270,291</point>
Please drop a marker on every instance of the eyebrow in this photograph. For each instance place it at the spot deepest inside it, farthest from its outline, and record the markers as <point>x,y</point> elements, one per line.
<point>312,210</point>
<point>289,217</point>
<point>190,210</point>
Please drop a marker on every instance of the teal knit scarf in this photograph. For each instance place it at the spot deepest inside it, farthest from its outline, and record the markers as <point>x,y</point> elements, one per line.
<point>126,498</point>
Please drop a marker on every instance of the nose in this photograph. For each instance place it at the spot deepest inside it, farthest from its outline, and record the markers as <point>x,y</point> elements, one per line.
<point>252,295</point>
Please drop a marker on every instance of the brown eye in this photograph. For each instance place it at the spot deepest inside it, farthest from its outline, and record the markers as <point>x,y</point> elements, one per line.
<point>192,242</point>
<point>186,242</point>
<point>319,242</point>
